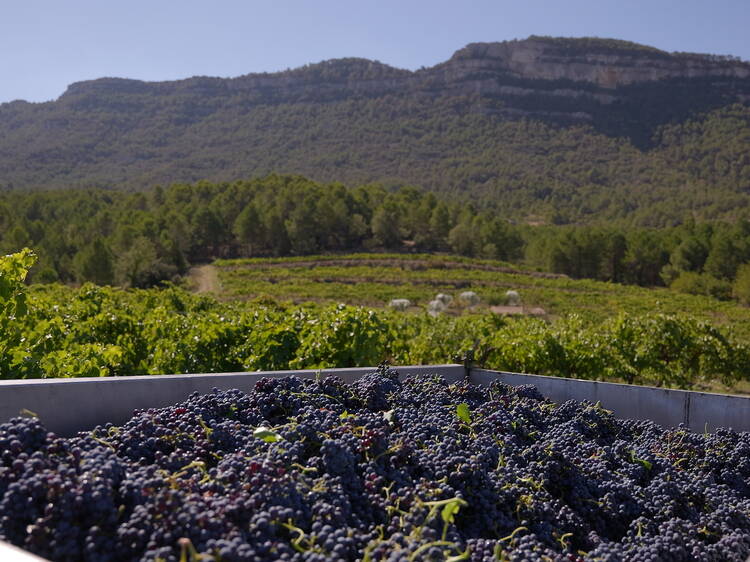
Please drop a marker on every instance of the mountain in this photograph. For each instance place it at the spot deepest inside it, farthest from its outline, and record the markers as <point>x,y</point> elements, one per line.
<point>548,129</point>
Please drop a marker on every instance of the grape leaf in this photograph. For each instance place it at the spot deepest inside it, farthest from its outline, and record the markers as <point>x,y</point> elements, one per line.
<point>266,434</point>
<point>462,411</point>
<point>448,512</point>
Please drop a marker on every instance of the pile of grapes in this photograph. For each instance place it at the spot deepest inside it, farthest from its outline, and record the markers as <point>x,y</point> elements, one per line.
<point>376,470</point>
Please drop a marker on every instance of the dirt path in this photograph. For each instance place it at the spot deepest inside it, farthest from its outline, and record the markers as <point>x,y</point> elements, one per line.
<point>205,279</point>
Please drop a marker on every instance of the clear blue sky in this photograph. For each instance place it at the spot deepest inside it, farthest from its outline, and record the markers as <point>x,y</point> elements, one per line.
<point>47,44</point>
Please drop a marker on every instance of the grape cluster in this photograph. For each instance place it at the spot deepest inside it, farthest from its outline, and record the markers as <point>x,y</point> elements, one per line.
<point>314,470</point>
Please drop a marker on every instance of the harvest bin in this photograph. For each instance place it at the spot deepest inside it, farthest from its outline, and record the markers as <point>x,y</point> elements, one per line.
<point>67,406</point>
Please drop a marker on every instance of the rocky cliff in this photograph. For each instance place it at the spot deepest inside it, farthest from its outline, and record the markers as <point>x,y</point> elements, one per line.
<point>459,124</point>
<point>605,63</point>
<point>594,68</point>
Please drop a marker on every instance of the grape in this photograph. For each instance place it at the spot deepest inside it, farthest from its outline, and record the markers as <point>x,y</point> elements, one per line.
<point>382,469</point>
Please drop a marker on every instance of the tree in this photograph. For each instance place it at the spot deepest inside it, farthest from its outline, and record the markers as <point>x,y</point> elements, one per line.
<point>95,263</point>
<point>276,237</point>
<point>18,238</point>
<point>419,221</point>
<point>741,286</point>
<point>6,217</point>
<point>577,253</point>
<point>134,267</point>
<point>207,233</point>
<point>385,225</point>
<point>690,255</point>
<point>615,247</point>
<point>729,249</point>
<point>178,231</point>
<point>440,223</point>
<point>302,228</point>
<point>694,283</point>
<point>496,232</point>
<point>644,259</point>
<point>334,219</point>
<point>462,238</point>
<point>248,228</point>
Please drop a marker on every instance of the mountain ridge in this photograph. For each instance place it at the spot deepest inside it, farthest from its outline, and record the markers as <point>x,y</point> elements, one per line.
<point>522,58</point>
<point>525,124</point>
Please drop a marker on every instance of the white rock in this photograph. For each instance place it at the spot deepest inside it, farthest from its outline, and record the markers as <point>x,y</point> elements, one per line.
<point>399,304</point>
<point>444,298</point>
<point>435,307</point>
<point>469,298</point>
<point>512,298</point>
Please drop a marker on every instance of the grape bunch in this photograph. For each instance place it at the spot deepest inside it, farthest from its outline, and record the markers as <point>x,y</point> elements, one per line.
<point>378,470</point>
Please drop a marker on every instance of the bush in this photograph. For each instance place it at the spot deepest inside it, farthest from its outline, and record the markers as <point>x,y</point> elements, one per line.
<point>694,283</point>
<point>341,336</point>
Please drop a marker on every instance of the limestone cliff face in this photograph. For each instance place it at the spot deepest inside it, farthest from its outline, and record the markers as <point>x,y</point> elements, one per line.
<point>604,64</point>
<point>570,79</point>
<point>590,68</point>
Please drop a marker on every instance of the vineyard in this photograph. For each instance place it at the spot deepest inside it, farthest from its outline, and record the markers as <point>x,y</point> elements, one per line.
<point>56,331</point>
<point>374,279</point>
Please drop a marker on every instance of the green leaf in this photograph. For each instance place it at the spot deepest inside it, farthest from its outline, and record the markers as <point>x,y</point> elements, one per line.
<point>643,462</point>
<point>462,411</point>
<point>266,434</point>
<point>21,308</point>
<point>389,415</point>
<point>450,509</point>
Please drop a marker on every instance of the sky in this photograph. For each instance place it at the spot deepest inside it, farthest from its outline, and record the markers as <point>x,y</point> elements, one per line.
<point>45,45</point>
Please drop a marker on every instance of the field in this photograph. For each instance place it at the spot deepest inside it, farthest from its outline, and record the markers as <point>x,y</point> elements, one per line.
<point>375,279</point>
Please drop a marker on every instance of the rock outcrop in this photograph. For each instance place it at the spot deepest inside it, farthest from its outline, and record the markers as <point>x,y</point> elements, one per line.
<point>604,63</point>
<point>591,68</point>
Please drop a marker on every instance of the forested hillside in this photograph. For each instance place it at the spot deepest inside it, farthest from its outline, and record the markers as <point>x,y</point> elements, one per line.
<point>144,239</point>
<point>583,131</point>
